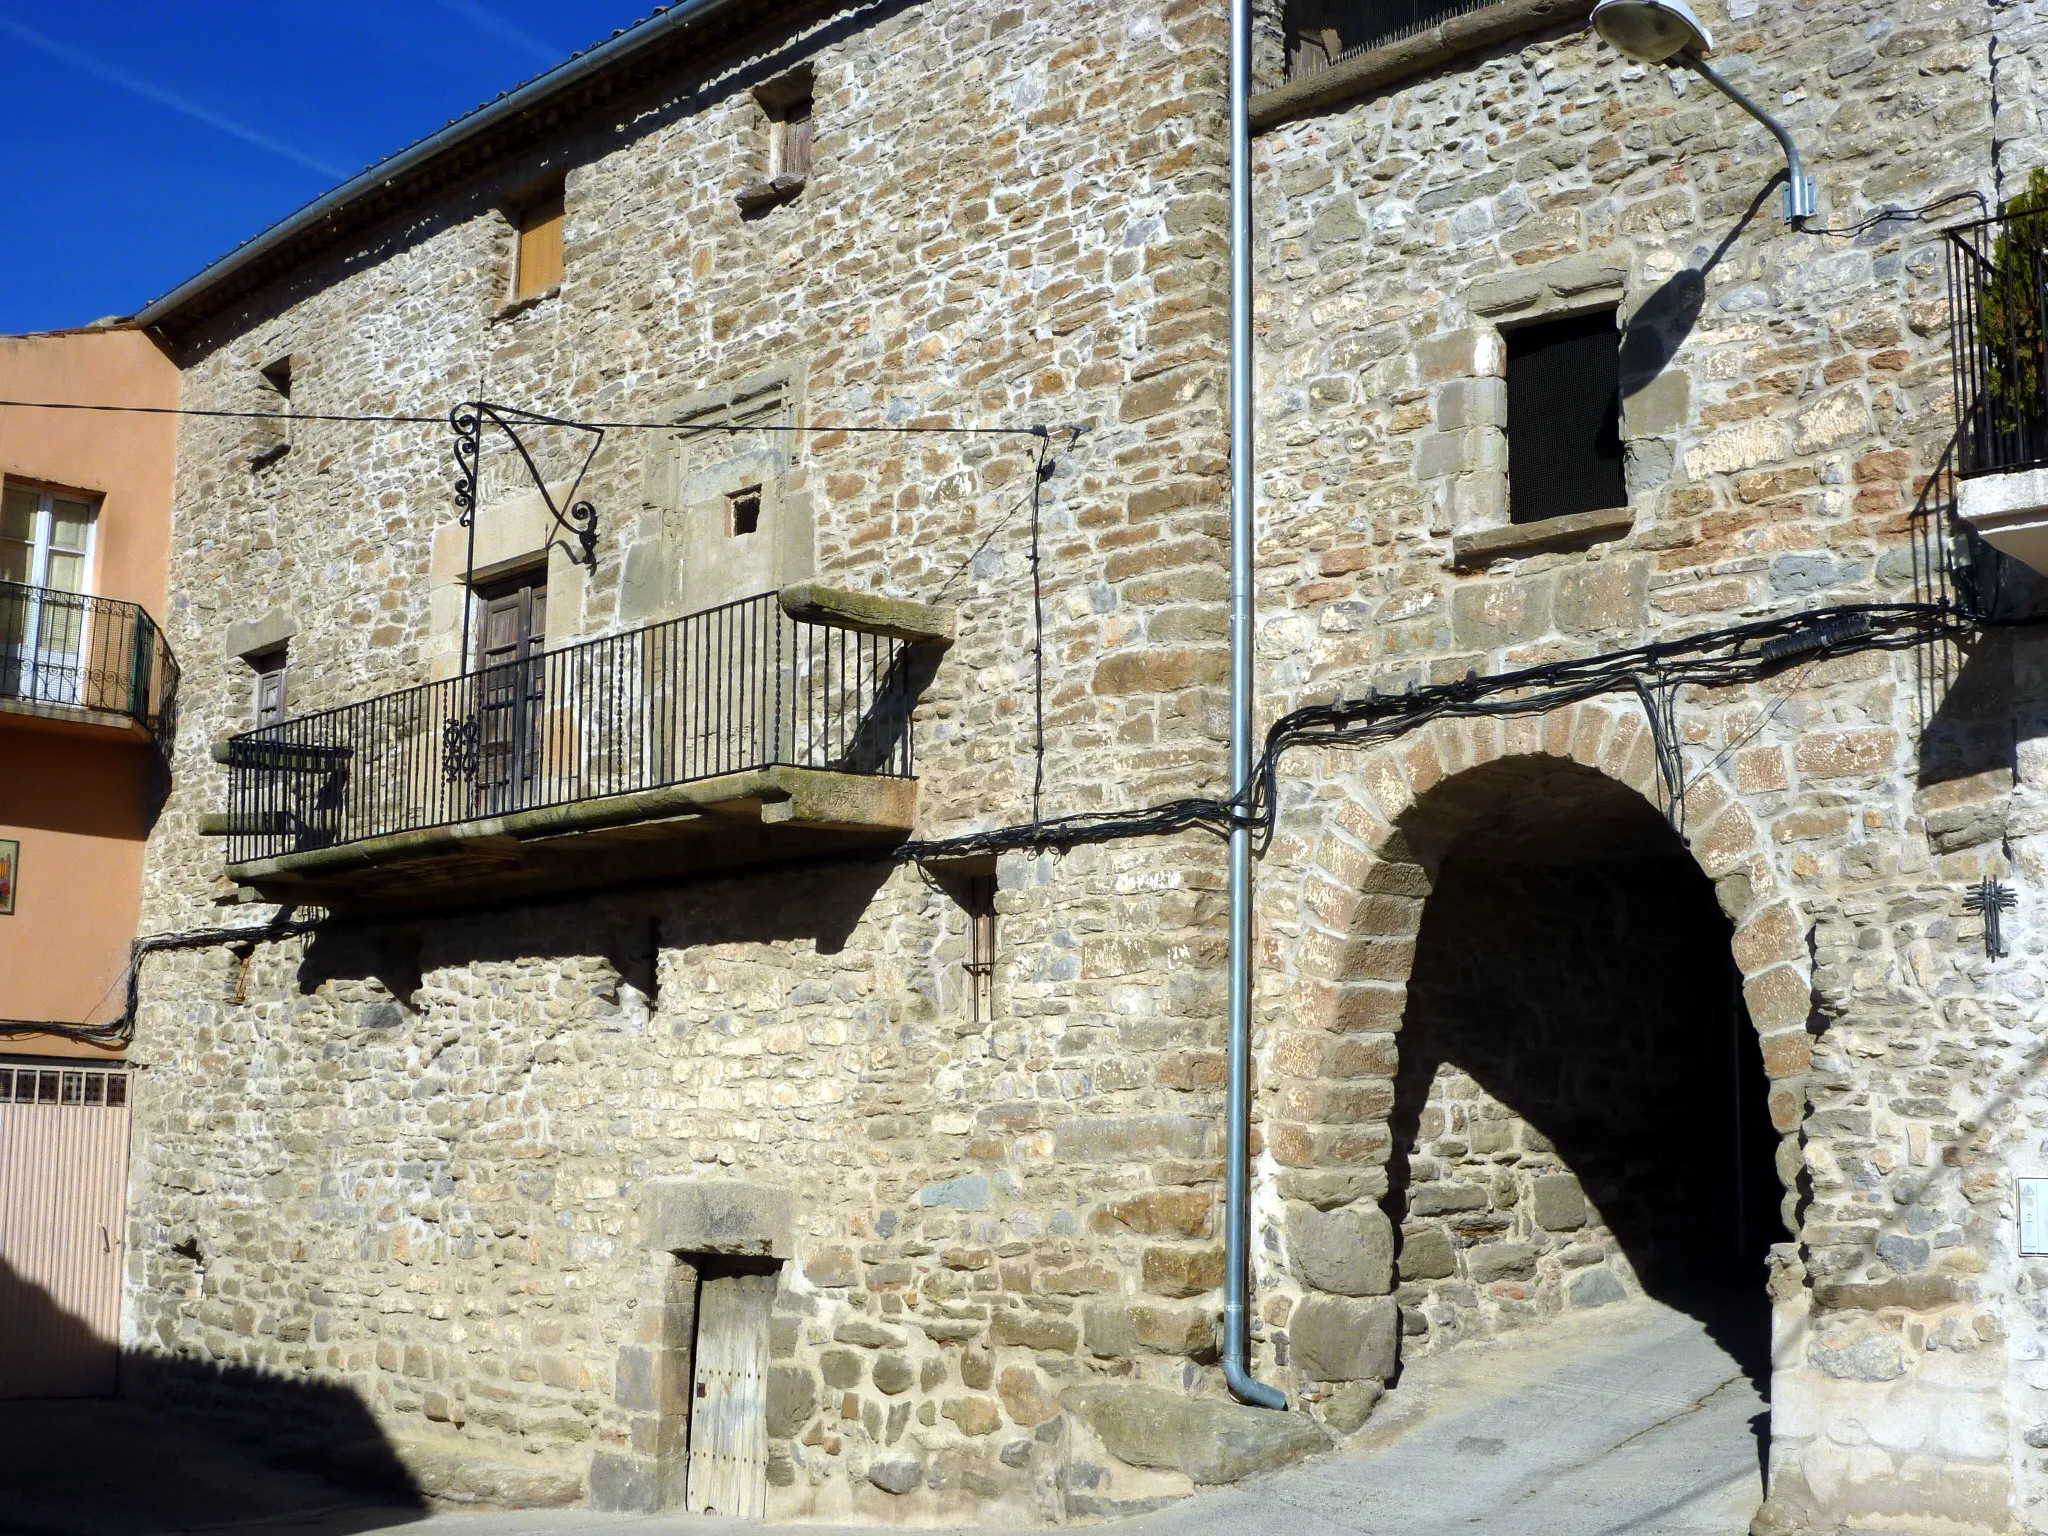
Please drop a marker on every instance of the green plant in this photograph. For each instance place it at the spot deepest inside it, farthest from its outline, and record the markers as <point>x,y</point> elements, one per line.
<point>2010,320</point>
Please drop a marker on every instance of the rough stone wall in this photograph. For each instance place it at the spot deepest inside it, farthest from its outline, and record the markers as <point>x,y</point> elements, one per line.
<point>1569,1121</point>
<point>410,1162</point>
<point>1785,396</point>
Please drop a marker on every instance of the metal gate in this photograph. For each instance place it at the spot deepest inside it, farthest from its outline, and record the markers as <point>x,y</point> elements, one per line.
<point>63,1202</point>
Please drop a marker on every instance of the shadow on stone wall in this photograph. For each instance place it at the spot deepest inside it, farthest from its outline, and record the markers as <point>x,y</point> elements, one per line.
<point>822,904</point>
<point>1578,1076</point>
<point>1658,326</point>
<point>188,1443</point>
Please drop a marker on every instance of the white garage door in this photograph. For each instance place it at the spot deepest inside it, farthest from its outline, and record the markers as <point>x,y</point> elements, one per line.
<point>63,1189</point>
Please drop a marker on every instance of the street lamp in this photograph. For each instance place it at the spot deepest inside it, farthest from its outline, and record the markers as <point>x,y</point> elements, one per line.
<point>1667,32</point>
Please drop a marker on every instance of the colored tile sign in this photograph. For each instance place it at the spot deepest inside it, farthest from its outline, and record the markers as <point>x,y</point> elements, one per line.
<point>10,866</point>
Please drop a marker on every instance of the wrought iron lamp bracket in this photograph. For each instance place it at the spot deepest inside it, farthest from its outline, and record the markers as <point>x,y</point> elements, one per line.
<point>576,518</point>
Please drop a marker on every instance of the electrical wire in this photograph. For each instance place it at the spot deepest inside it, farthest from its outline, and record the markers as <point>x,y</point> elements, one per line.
<point>1652,673</point>
<point>1919,215</point>
<point>403,419</point>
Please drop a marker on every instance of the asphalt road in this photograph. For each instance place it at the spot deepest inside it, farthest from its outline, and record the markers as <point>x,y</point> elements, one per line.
<point>1628,1421</point>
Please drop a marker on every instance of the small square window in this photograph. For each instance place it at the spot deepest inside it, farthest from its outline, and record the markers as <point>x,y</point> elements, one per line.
<point>537,265</point>
<point>1564,418</point>
<point>6,1084</point>
<point>46,1088</point>
<point>95,1088</point>
<point>117,1089</point>
<point>743,512</point>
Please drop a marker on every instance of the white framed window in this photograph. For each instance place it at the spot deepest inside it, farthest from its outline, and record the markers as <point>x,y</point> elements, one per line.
<point>46,538</point>
<point>46,563</point>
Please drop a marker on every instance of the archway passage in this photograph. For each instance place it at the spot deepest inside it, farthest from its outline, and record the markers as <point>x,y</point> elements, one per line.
<point>1580,1103</point>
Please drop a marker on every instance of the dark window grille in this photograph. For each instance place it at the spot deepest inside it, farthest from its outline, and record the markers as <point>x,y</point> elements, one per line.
<point>743,512</point>
<point>1564,418</point>
<point>1998,301</point>
<point>1321,33</point>
<point>67,650</point>
<point>728,690</point>
<point>979,902</point>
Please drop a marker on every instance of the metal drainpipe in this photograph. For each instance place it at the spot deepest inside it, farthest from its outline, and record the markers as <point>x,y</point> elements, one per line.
<point>1237,1204</point>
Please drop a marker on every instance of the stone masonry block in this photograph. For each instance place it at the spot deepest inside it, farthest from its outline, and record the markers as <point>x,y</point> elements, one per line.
<point>1427,1254</point>
<point>1468,403</point>
<point>1347,1252</point>
<point>1780,998</point>
<point>1338,1338</point>
<point>1559,1204</point>
<point>725,1216</point>
<point>1768,937</point>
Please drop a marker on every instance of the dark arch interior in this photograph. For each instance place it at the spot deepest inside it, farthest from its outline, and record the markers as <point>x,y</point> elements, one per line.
<point>1580,1097</point>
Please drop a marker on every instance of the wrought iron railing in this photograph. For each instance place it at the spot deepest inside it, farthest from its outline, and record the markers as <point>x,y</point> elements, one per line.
<point>1998,303</point>
<point>727,690</point>
<point>66,650</point>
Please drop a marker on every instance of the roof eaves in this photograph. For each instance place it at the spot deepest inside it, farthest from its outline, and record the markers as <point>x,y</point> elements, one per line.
<point>406,170</point>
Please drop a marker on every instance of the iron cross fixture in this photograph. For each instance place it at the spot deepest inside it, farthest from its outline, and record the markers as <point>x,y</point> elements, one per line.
<point>1991,897</point>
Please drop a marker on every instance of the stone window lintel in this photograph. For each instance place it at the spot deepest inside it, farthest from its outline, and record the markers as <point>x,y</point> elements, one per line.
<point>1576,531</point>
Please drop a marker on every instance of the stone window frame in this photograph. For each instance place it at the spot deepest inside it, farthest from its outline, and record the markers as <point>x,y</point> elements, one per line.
<point>776,109</point>
<point>514,535</point>
<point>1465,460</point>
<point>686,495</point>
<point>270,389</point>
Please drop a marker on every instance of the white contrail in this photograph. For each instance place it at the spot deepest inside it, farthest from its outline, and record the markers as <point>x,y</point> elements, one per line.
<point>496,26</point>
<point>115,76</point>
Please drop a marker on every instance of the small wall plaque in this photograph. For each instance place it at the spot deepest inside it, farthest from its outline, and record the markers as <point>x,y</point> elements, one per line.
<point>2033,1217</point>
<point>10,869</point>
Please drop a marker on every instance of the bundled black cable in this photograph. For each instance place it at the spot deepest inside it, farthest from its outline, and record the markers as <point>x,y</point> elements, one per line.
<point>1715,659</point>
<point>1652,673</point>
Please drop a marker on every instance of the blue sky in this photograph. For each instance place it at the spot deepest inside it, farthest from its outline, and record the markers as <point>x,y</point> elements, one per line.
<point>144,140</point>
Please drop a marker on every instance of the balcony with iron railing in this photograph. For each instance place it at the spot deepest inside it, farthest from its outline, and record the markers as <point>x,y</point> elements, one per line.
<point>84,665</point>
<point>1998,302</point>
<point>756,731</point>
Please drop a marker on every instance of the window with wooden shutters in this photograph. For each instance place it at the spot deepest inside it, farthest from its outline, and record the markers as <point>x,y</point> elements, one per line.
<point>511,639</point>
<point>270,689</point>
<point>538,266</point>
<point>793,138</point>
<point>783,153</point>
<point>46,566</point>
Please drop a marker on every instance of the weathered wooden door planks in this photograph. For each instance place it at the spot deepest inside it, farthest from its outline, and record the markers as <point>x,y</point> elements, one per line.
<point>729,1402</point>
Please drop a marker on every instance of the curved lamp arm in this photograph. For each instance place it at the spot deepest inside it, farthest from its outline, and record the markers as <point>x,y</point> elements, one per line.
<point>1802,199</point>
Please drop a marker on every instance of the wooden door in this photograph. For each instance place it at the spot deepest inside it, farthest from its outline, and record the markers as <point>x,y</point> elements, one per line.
<point>729,1400</point>
<point>63,1204</point>
<point>511,640</point>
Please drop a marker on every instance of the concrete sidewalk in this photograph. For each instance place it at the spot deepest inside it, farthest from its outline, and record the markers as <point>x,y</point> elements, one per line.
<point>1624,1422</point>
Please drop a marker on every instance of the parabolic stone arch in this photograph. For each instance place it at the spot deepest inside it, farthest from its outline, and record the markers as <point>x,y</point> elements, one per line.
<point>1359,1117</point>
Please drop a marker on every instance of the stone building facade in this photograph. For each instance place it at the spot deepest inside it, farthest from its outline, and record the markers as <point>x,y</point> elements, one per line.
<point>473,1161</point>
